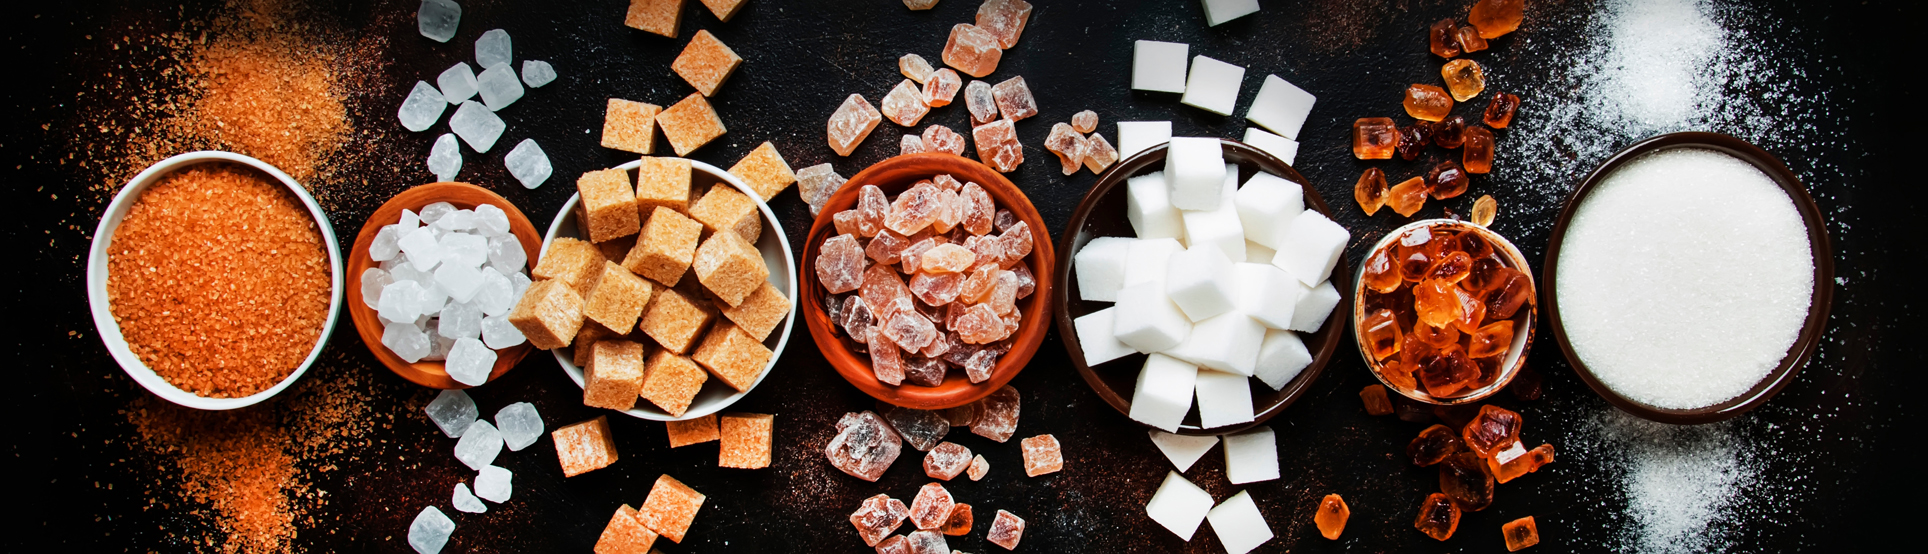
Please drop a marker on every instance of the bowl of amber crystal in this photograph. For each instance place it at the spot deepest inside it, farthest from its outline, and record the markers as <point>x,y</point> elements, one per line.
<point>1445,312</point>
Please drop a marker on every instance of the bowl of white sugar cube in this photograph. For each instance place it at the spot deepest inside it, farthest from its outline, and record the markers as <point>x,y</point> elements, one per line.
<point>1199,272</point>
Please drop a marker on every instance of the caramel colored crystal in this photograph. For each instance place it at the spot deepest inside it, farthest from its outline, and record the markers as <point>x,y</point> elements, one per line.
<point>1381,274</point>
<point>1436,302</point>
<point>1463,477</point>
<point>1495,18</point>
<point>1413,139</point>
<point>1004,19</point>
<point>942,88</point>
<point>1381,331</point>
<point>1484,209</point>
<point>1506,297</point>
<point>1438,517</point>
<point>938,138</point>
<point>972,50</point>
<point>1450,133</point>
<point>1491,340</point>
<point>1375,401</point>
<point>1452,267</point>
<point>1407,197</point>
<point>1499,112</point>
<point>1520,533</point>
<point>1515,461</point>
<point>1433,445</point>
<point>1447,180</point>
<point>1492,430</point>
<point>1427,102</point>
<point>1443,38</point>
<point>1448,373</point>
<point>1464,78</point>
<point>1068,145</point>
<point>1375,138</point>
<point>1370,191</point>
<point>1478,156</point>
<point>1331,516</point>
<point>851,123</point>
<point>1469,39</point>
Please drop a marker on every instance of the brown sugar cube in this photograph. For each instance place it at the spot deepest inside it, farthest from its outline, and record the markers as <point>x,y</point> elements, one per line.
<point>614,375</point>
<point>760,312</point>
<point>746,440</point>
<point>1041,455</point>
<point>574,262</point>
<point>731,355</point>
<point>730,267</point>
<point>690,124</point>
<point>670,508</point>
<point>666,247</point>
<point>671,382</point>
<point>724,208</point>
<point>625,535</point>
<point>662,182</point>
<point>724,9</point>
<point>765,171</point>
<point>610,204</point>
<point>706,63</point>
<point>656,16</point>
<point>630,126</point>
<point>693,431</point>
<point>674,320</point>
<point>617,300</point>
<point>589,334</point>
<point>549,314</point>
<point>614,249</point>
<point>584,447</point>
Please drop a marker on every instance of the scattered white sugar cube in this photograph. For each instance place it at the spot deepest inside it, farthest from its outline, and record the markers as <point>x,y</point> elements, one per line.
<point>507,256</point>
<point>499,87</point>
<point>457,83</point>
<point>497,333</point>
<point>491,221</point>
<point>1101,268</point>
<point>1158,66</point>
<point>477,125</point>
<point>520,425</point>
<point>434,212</point>
<point>536,73</point>
<point>1145,261</point>
<point>1182,450</point>
<point>1258,253</point>
<point>1095,338</point>
<point>493,48</point>
<point>466,501</point>
<point>1281,357</point>
<point>445,159</point>
<point>1229,342</point>
<point>386,246</point>
<point>1148,206</point>
<point>1315,305</point>
<point>452,411</point>
<point>1199,280</point>
<point>459,280</point>
<point>1267,205</point>
<point>494,484</point>
<point>1138,136</point>
<point>479,445</point>
<point>528,164</point>
<point>437,20</point>
<point>497,296</point>
<point>1223,399</point>
<point>1163,394</point>
<point>1195,168</point>
<point>1267,293</point>
<point>460,320</point>
<point>1220,11</point>
<point>1310,247</point>
<point>1179,505</point>
<point>372,282</point>
<point>1147,320</point>
<point>1280,107</point>
<point>1218,227</point>
<point>399,302</point>
<point>1251,456</point>
<point>1213,85</point>
<point>422,108</point>
<point>1239,525</point>
<point>470,362</point>
<point>1285,149</point>
<point>431,530</point>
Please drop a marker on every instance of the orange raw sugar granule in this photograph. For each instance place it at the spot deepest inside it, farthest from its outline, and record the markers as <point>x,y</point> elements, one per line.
<point>218,280</point>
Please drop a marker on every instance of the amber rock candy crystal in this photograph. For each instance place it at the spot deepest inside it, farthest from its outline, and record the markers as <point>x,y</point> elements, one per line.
<point>1381,330</point>
<point>1493,429</point>
<point>851,123</point>
<point>972,50</point>
<point>1438,517</point>
<point>1382,275</point>
<point>1495,18</point>
<point>1463,477</point>
<point>1443,38</point>
<point>1478,156</point>
<point>1450,133</point>
<point>1407,197</point>
<point>1447,180</point>
<point>1370,191</point>
<point>1499,112</point>
<point>1469,39</point>
<point>1375,401</point>
<point>1427,102</point>
<point>1520,533</point>
<point>1464,77</point>
<point>1374,138</point>
<point>1331,517</point>
<point>1484,209</point>
<point>1433,445</point>
<point>1413,139</point>
<point>1516,461</point>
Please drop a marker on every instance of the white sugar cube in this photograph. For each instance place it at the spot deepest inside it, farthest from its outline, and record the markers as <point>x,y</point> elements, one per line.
<point>1095,338</point>
<point>1179,505</point>
<point>470,362</point>
<point>528,164</point>
<point>466,501</point>
<point>1148,206</point>
<point>1199,280</point>
<point>497,296</point>
<point>1259,253</point>
<point>452,411</point>
<point>497,333</point>
<point>1239,525</point>
<point>422,108</point>
<point>431,530</point>
<point>1182,450</point>
<point>1147,320</point>
<point>460,320</point>
<point>1158,66</point>
<point>1310,246</point>
<point>1281,357</point>
<point>464,249</point>
<point>1223,399</point>
<point>1315,305</point>
<point>460,280</point>
<point>479,445</point>
<point>386,244</point>
<point>1229,342</point>
<point>1285,149</point>
<point>536,73</point>
<point>457,83</point>
<point>1213,85</point>
<point>1100,265</point>
<point>1280,107</point>
<point>1218,227</point>
<point>1267,293</point>
<point>507,256</point>
<point>1220,11</point>
<point>398,303</point>
<point>437,20</point>
<point>1163,394</point>
<point>1251,456</point>
<point>494,48</point>
<point>520,425</point>
<point>1195,169</point>
<point>1146,260</point>
<point>499,87</point>
<point>477,125</point>
<point>494,484</point>
<point>1137,136</point>
<point>372,281</point>
<point>1267,205</point>
<point>445,159</point>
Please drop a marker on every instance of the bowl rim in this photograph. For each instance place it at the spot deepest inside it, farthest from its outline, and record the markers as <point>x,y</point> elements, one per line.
<point>1514,361</point>
<point>772,225</point>
<point>1028,337</point>
<point>1812,329</point>
<point>1116,176</point>
<point>97,272</point>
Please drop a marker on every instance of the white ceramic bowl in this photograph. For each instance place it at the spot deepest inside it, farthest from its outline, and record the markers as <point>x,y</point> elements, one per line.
<point>109,329</point>
<point>775,248</point>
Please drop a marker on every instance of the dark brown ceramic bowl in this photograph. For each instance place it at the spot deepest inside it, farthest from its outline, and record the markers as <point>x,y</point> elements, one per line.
<point>1804,344</point>
<point>1102,214</point>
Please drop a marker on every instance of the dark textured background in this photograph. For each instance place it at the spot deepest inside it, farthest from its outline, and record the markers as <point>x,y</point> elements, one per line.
<point>1832,453</point>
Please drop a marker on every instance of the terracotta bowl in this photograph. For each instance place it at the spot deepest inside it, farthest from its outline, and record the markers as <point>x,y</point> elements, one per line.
<point>1102,214</point>
<point>1805,343</point>
<point>893,176</point>
<point>1510,363</point>
<point>369,324</point>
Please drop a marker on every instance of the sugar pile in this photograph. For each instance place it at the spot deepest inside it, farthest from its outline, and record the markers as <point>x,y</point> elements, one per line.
<point>1686,488</point>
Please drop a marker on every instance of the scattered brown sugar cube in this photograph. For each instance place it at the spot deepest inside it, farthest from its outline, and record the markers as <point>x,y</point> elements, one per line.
<point>614,375</point>
<point>662,182</point>
<point>670,508</point>
<point>573,262</point>
<point>665,248</point>
<point>671,382</point>
<point>946,461</point>
<point>760,312</point>
<point>746,440</point>
<point>624,534</point>
<point>674,320</point>
<point>549,314</point>
<point>724,9</point>
<point>1520,533</point>
<point>617,300</point>
<point>765,171</point>
<point>979,467</point>
<point>655,16</point>
<point>730,267</point>
<point>589,334</point>
<point>959,522</point>
<point>630,126</point>
<point>1006,530</point>
<point>584,447</point>
<point>610,204</point>
<point>706,63</point>
<point>1374,396</point>
<point>724,208</point>
<point>690,124</point>
<point>693,431</point>
<point>731,355</point>
<point>1041,455</point>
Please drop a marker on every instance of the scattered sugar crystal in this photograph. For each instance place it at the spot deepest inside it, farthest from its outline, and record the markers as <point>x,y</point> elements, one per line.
<point>445,159</point>
<point>528,164</point>
<point>1182,450</point>
<point>914,67</point>
<point>919,5</point>
<point>817,183</point>
<point>506,254</point>
<point>864,446</point>
<point>1138,136</point>
<point>1223,399</point>
<point>494,484</point>
<point>1099,154</point>
<point>1158,66</point>
<point>422,108</point>
<point>998,415</point>
<point>466,501</point>
<point>519,424</point>
<point>406,341</point>
<point>931,507</point>
<point>470,361</point>
<point>980,101</point>
<point>498,333</point>
<point>460,320</point>
<point>536,73</point>
<point>499,87</point>
<point>1195,168</point>
<point>452,411</point>
<point>972,50</point>
<point>998,146</point>
<point>1239,525</point>
<point>479,445</point>
<point>946,461</point>
<point>1315,305</point>
<point>460,281</point>
<point>1285,149</point>
<point>464,249</point>
<point>904,105</point>
<point>1267,206</point>
<point>911,144</point>
<point>1068,145</point>
<point>1179,505</point>
<point>1310,246</point>
<point>477,125</point>
<point>1251,456</point>
<point>877,517</point>
<point>1005,19</point>
<point>851,123</point>
<point>1014,100</point>
<point>1163,394</point>
<point>372,282</point>
<point>1220,11</point>
<point>942,88</point>
<point>429,531</point>
<point>1213,85</point>
<point>923,429</point>
<point>493,49</point>
<point>437,20</point>
<point>1281,107</point>
<point>1095,340</point>
<point>457,83</point>
<point>926,542</point>
<point>938,138</point>
<point>1281,356</point>
<point>1042,455</point>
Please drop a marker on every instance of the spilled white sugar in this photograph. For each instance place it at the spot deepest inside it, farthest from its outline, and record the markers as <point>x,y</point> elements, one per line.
<point>1686,487</point>
<point>1685,275</point>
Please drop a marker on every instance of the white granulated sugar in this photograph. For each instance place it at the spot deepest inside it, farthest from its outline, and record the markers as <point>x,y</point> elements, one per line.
<point>1687,488</point>
<point>1656,68</point>
<point>1685,275</point>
